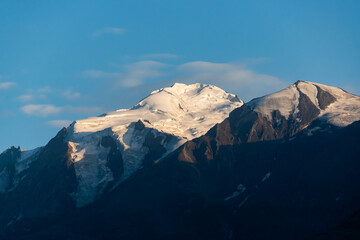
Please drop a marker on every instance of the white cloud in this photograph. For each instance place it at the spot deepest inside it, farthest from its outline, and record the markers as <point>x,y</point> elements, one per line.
<point>42,93</point>
<point>44,90</point>
<point>30,97</point>
<point>201,66</point>
<point>59,123</point>
<point>131,75</point>
<point>26,98</point>
<point>6,85</point>
<point>34,94</point>
<point>109,30</point>
<point>71,95</point>
<point>233,77</point>
<point>140,72</point>
<point>159,56</point>
<point>44,110</point>
<point>41,110</point>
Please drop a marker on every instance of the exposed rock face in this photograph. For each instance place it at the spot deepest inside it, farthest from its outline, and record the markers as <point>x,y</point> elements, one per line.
<point>307,111</point>
<point>7,168</point>
<point>324,98</point>
<point>45,186</point>
<point>114,159</point>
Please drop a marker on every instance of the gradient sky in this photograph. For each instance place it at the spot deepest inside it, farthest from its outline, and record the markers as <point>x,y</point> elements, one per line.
<point>67,60</point>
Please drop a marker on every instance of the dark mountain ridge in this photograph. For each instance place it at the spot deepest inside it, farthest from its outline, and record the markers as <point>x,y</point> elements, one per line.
<point>292,189</point>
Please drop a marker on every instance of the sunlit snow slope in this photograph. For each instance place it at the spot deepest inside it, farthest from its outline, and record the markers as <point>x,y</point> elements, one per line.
<point>146,132</point>
<point>329,104</point>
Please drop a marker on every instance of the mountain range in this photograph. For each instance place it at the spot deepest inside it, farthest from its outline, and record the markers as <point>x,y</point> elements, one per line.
<point>194,162</point>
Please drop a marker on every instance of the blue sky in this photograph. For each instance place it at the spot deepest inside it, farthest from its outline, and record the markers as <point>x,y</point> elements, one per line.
<point>66,60</point>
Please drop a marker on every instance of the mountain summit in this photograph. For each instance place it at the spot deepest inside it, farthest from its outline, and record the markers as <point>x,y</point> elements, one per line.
<point>306,101</point>
<point>303,106</point>
<point>182,110</point>
<point>154,127</point>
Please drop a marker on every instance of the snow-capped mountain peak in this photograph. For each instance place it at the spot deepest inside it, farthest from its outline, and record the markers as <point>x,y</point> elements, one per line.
<point>151,129</point>
<point>171,110</point>
<point>331,104</point>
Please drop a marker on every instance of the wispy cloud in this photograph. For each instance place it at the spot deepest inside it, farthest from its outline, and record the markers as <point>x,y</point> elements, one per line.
<point>236,77</point>
<point>230,76</point>
<point>69,94</point>
<point>131,75</point>
<point>44,90</point>
<point>34,94</point>
<point>59,123</point>
<point>138,73</point>
<point>6,85</point>
<point>44,110</point>
<point>26,98</point>
<point>109,30</point>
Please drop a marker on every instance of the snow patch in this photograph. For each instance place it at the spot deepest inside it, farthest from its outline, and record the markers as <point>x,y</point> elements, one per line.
<point>311,131</point>
<point>90,163</point>
<point>309,90</point>
<point>343,112</point>
<point>26,158</point>
<point>285,101</point>
<point>266,177</point>
<point>15,219</point>
<point>240,189</point>
<point>243,201</point>
<point>21,164</point>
